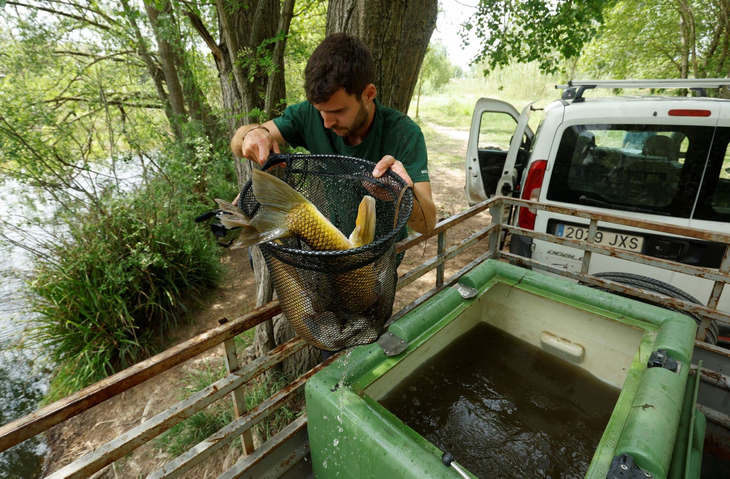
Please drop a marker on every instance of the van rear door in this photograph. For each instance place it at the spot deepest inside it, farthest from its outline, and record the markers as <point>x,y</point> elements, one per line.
<point>499,141</point>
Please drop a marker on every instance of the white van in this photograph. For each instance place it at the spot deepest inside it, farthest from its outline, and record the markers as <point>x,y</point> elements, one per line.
<point>664,159</point>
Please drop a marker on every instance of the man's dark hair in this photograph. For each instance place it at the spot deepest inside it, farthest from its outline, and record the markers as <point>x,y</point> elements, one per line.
<point>340,61</point>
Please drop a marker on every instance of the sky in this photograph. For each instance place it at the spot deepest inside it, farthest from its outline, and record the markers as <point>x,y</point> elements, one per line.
<point>455,12</point>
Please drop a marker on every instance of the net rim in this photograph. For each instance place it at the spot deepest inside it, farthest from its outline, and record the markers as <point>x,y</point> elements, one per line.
<point>402,218</point>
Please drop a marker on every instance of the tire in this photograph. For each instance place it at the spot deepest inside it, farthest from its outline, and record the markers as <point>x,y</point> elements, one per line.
<point>656,286</point>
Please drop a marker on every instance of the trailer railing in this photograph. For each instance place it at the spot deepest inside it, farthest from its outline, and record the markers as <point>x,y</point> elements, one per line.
<point>287,450</point>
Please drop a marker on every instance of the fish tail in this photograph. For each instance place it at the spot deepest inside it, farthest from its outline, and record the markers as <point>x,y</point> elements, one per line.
<point>364,232</point>
<point>252,232</point>
<point>274,193</point>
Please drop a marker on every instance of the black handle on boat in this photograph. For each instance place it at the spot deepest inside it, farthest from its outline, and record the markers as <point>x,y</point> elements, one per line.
<point>448,461</point>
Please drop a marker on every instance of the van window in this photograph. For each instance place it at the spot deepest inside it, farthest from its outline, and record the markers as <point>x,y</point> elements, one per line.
<point>714,198</point>
<point>646,168</point>
<point>496,130</point>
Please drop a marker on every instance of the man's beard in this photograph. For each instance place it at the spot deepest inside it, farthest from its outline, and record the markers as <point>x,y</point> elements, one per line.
<point>360,119</point>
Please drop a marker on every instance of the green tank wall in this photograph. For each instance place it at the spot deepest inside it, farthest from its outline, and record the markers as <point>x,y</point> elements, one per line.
<point>352,436</point>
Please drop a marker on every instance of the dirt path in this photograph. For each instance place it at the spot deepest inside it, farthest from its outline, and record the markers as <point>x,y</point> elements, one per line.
<point>68,441</point>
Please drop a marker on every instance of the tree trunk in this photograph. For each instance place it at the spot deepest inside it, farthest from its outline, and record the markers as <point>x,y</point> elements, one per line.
<point>167,60</point>
<point>152,66</point>
<point>250,94</point>
<point>398,33</point>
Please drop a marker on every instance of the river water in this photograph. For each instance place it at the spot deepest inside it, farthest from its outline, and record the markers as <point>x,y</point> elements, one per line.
<point>24,375</point>
<point>23,381</point>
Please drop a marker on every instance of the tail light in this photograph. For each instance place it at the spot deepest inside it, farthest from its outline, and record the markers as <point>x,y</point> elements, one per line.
<point>533,185</point>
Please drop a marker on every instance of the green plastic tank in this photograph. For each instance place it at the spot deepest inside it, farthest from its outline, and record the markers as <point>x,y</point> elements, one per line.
<point>651,423</point>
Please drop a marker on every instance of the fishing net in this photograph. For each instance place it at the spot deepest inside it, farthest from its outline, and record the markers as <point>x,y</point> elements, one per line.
<point>337,299</point>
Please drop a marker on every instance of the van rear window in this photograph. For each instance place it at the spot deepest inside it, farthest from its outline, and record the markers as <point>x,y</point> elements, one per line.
<point>644,168</point>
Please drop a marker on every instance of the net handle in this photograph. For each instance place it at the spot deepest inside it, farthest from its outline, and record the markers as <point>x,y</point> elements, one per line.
<point>397,204</point>
<point>276,158</point>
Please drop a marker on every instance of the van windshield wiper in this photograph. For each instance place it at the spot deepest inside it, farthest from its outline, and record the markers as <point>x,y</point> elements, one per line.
<point>590,201</point>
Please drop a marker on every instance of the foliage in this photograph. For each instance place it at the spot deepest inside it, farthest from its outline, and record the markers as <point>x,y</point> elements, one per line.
<point>109,291</point>
<point>436,70</point>
<point>307,31</point>
<point>629,46</point>
<point>535,30</point>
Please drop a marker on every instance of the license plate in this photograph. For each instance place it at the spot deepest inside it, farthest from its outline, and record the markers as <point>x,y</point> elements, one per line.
<point>604,238</point>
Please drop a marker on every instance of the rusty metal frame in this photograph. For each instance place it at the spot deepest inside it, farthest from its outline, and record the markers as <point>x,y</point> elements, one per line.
<point>288,447</point>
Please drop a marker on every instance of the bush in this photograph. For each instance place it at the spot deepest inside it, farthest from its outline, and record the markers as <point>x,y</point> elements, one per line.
<point>109,291</point>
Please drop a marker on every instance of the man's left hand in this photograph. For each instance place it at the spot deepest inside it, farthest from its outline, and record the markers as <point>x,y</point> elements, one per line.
<point>389,162</point>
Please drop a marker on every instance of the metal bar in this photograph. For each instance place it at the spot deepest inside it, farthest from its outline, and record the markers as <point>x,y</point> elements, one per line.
<point>238,395</point>
<point>704,273</point>
<point>712,377</point>
<point>592,228</point>
<point>718,287</point>
<point>440,268</point>
<point>132,439</point>
<point>427,266</point>
<point>655,298</point>
<point>444,225</point>
<point>228,433</point>
<point>497,219</point>
<point>659,83</point>
<point>715,417</point>
<point>290,432</point>
<point>28,426</point>
<point>621,220</point>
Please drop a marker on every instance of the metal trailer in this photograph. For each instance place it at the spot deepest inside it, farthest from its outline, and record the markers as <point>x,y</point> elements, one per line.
<point>287,453</point>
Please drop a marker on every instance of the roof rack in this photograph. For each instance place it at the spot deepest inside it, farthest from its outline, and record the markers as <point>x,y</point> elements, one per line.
<point>695,84</point>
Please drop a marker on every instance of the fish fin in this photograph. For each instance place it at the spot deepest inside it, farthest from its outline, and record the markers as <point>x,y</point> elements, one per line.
<point>274,193</point>
<point>228,207</point>
<point>260,229</point>
<point>234,221</point>
<point>364,232</point>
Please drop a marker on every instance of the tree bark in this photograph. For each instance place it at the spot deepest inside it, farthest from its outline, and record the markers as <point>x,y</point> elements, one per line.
<point>398,34</point>
<point>152,66</point>
<point>167,60</point>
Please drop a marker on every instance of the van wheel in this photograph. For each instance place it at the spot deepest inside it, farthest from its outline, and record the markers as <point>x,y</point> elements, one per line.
<point>656,286</point>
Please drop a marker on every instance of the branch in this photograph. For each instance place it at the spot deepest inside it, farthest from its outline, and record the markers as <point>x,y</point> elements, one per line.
<point>62,14</point>
<point>82,7</point>
<point>122,102</point>
<point>96,57</point>
<point>199,27</point>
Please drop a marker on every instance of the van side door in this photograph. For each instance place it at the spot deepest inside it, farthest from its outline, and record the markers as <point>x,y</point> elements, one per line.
<point>496,152</point>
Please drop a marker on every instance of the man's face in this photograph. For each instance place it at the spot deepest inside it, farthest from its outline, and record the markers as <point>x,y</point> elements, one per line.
<point>343,113</point>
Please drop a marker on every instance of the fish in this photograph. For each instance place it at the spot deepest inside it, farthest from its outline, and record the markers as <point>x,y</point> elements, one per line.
<point>286,213</point>
<point>330,311</point>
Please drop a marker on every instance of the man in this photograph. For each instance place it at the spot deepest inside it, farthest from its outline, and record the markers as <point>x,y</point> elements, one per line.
<point>342,117</point>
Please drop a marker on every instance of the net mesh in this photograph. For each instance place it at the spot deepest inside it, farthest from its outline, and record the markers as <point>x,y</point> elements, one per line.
<point>337,299</point>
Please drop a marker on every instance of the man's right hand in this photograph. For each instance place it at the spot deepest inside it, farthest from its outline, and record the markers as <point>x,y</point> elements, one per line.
<point>254,142</point>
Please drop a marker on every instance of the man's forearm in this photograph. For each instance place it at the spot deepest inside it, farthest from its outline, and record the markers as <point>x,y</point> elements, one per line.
<point>423,215</point>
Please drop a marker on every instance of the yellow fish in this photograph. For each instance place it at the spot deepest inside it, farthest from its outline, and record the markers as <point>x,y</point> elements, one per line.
<point>286,213</point>
<point>333,314</point>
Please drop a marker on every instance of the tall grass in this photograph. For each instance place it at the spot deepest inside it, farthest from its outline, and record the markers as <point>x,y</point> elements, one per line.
<point>109,291</point>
